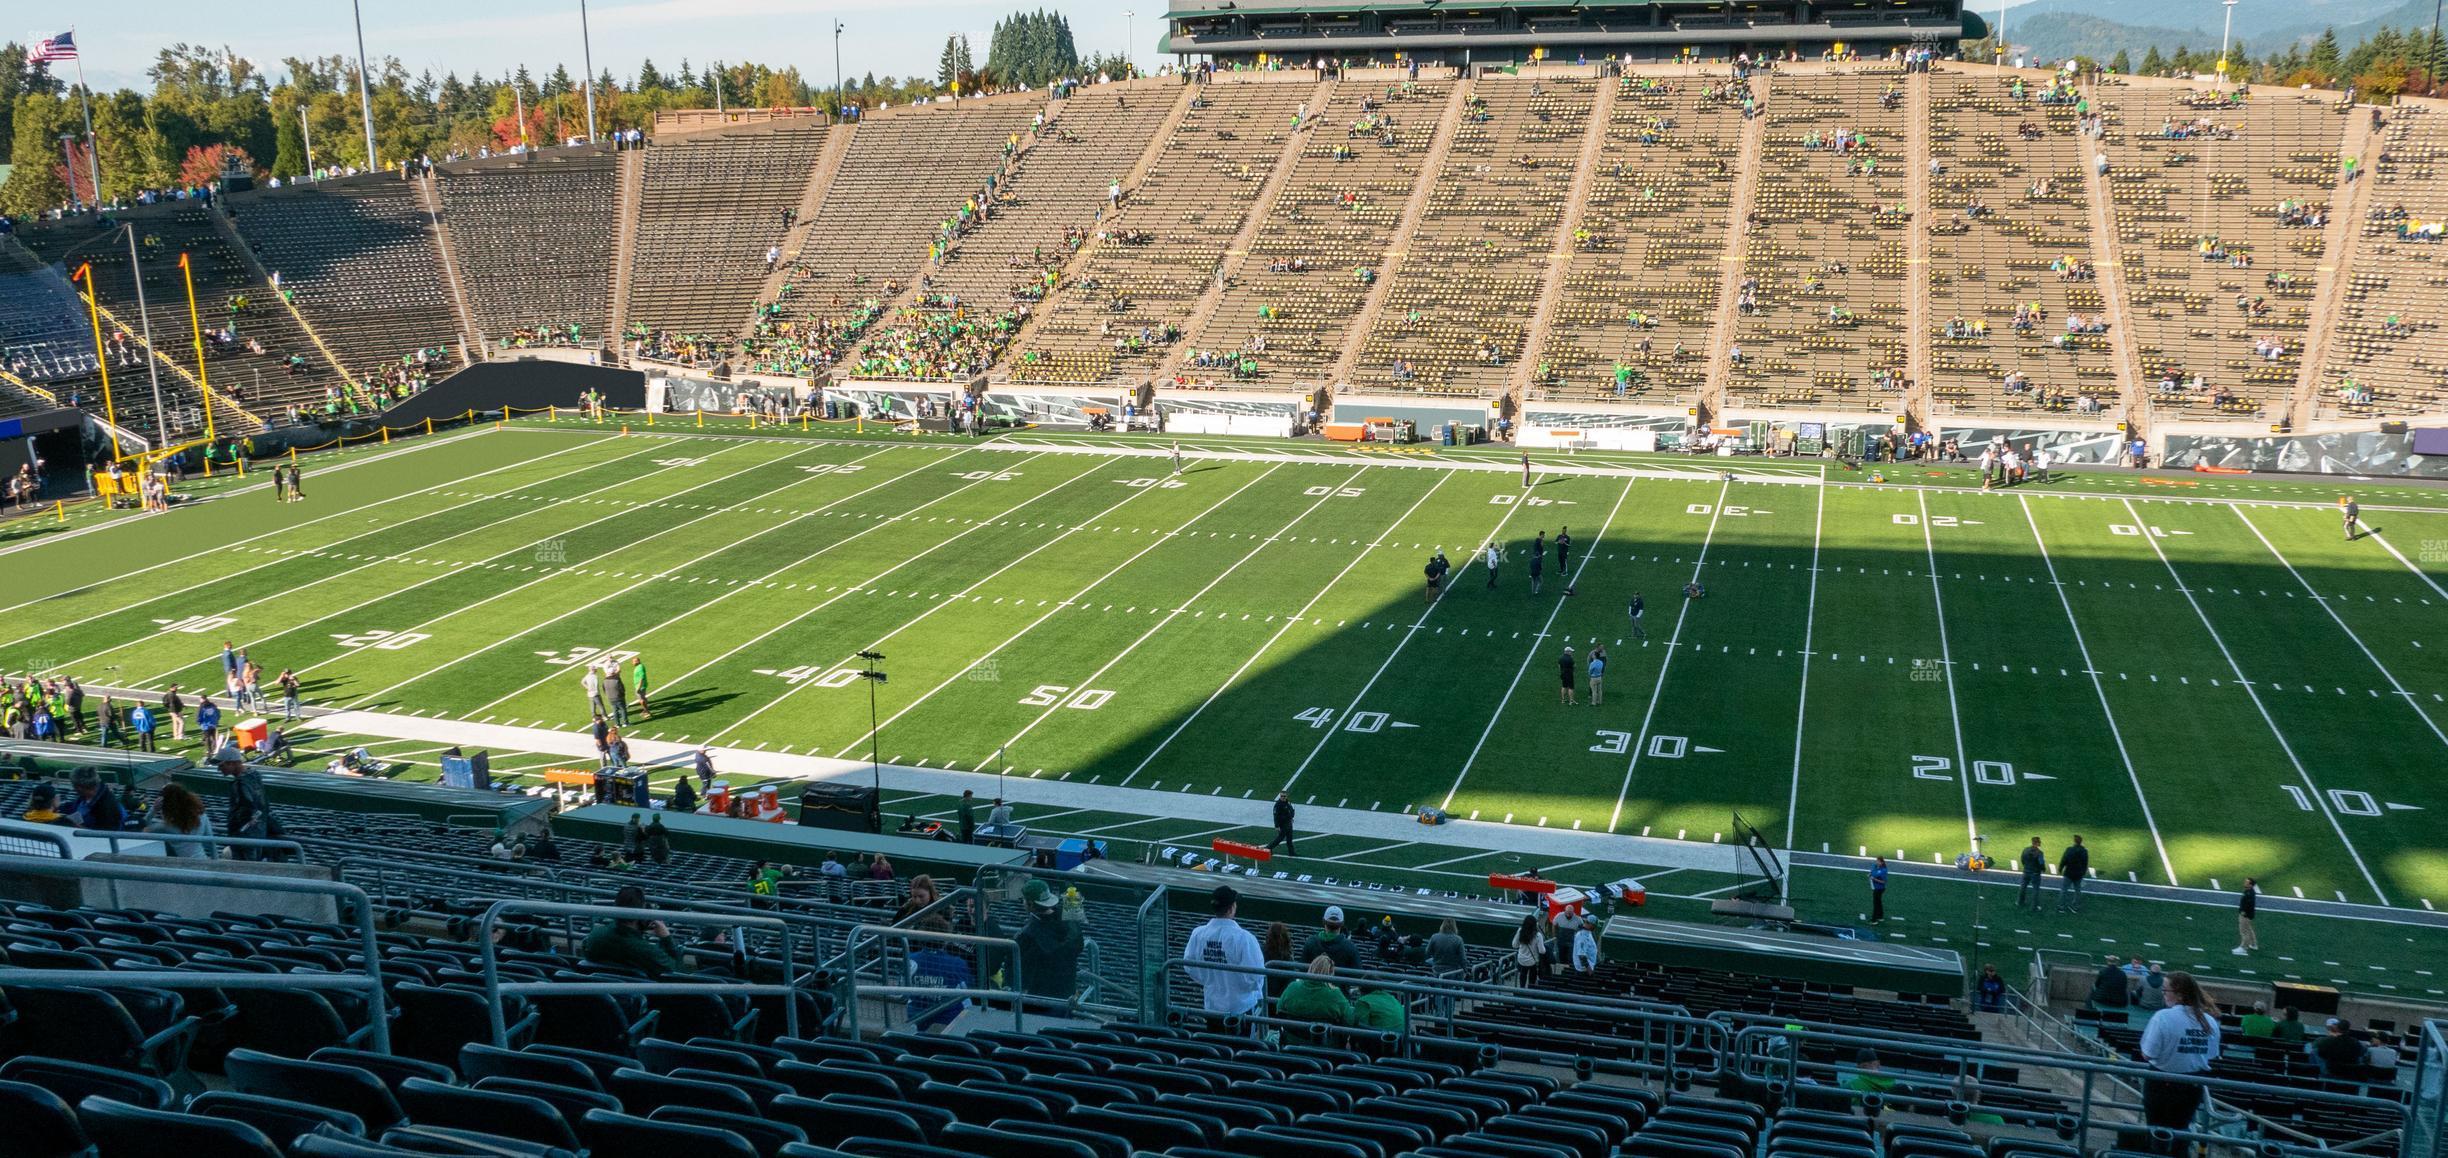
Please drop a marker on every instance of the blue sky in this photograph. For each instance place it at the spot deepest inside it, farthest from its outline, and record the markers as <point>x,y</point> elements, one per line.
<point>120,37</point>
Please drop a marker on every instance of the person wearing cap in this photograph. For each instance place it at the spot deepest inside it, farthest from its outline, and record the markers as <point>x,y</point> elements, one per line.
<point>2110,989</point>
<point>93,806</point>
<point>1315,997</point>
<point>643,945</point>
<point>2339,1054</point>
<point>1049,945</point>
<point>1329,941</point>
<point>1222,941</point>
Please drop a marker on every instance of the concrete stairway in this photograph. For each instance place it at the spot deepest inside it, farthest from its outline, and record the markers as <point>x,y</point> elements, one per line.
<point>2349,207</point>
<point>1399,246</point>
<point>1559,257</point>
<point>2110,273</point>
<point>1917,387</point>
<point>625,230</point>
<point>1237,254</point>
<point>472,340</point>
<point>1738,249</point>
<point>803,223</point>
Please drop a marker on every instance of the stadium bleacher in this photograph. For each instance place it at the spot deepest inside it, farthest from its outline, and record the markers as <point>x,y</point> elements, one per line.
<point>713,205</point>
<point>529,253</point>
<point>357,258</point>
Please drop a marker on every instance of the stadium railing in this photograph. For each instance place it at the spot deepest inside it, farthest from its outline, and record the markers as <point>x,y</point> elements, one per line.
<point>496,989</point>
<point>2096,1094</point>
<point>2429,1132</point>
<point>854,992</point>
<point>1662,1044</point>
<point>356,909</point>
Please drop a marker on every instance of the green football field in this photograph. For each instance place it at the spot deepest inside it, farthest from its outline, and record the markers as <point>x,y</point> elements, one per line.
<point>2200,676</point>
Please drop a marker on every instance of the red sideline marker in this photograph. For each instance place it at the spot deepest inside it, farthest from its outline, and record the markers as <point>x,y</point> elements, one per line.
<point>1520,884</point>
<point>1246,851</point>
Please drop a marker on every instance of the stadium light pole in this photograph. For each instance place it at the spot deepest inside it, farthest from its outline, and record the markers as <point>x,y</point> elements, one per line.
<point>875,733</point>
<point>586,56</point>
<point>838,106</point>
<point>2224,31</point>
<point>1130,39</point>
<point>365,91</point>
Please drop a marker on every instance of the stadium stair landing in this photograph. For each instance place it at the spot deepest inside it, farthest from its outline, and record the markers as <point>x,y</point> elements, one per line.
<point>1559,256</point>
<point>1236,254</point>
<point>1738,249</point>
<point>1398,246</point>
<point>2349,205</point>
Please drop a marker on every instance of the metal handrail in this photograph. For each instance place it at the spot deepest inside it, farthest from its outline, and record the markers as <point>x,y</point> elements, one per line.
<point>496,989</point>
<point>115,836</point>
<point>371,983</point>
<point>48,836</point>
<point>865,935</point>
<point>1768,1052</point>
<point>1666,1032</point>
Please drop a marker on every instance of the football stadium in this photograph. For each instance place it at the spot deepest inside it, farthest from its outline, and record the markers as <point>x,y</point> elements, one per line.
<point>1667,580</point>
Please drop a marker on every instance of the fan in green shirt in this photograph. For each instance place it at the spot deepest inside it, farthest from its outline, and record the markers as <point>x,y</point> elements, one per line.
<point>1314,997</point>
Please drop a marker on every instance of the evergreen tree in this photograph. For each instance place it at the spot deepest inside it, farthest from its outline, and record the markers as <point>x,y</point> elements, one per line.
<point>2152,63</point>
<point>953,62</point>
<point>2119,64</point>
<point>559,82</point>
<point>648,79</point>
<point>2325,58</point>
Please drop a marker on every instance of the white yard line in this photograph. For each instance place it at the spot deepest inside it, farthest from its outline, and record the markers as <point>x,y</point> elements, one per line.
<point>1537,643</point>
<point>1494,535</point>
<point>869,584</point>
<point>1280,632</point>
<point>2391,548</point>
<point>1810,619</point>
<point>759,581</point>
<point>931,608</point>
<point>510,513</point>
<point>2319,798</point>
<point>616,592</point>
<point>320,473</point>
<point>1057,609</point>
<point>464,567</point>
<point>2329,605</point>
<point>1673,645</point>
<point>2166,863</point>
<point>1946,665</point>
<point>275,562</point>
<point>1183,608</point>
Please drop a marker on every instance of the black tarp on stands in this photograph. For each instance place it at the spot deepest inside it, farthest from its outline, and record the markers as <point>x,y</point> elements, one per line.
<point>521,383</point>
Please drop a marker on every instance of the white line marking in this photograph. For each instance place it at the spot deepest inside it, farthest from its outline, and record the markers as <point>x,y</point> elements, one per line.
<point>1793,795</point>
<point>1673,645</point>
<point>1946,668</point>
<point>2330,606</point>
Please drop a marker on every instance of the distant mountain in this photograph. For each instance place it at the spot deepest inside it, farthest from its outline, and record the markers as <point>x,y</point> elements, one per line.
<point>2052,29</point>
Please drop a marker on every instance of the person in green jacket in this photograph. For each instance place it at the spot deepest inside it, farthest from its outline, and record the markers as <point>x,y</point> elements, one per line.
<point>646,946</point>
<point>1378,1009</point>
<point>1315,997</point>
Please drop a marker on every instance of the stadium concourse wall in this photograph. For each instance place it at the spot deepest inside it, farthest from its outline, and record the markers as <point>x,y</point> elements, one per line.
<point>520,384</point>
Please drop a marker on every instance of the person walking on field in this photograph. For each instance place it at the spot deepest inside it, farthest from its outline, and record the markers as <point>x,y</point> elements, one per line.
<point>1564,554</point>
<point>637,680</point>
<point>2354,513</point>
<point>1525,468</point>
<point>2248,906</point>
<point>1176,458</point>
<point>1493,559</point>
<point>1283,825</point>
<point>1538,562</point>
<point>1878,890</point>
<point>2071,869</point>
<point>1635,609</point>
<point>2035,866</point>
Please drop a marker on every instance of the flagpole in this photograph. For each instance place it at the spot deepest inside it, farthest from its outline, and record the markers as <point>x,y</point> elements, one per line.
<point>197,321</point>
<point>93,308</point>
<point>93,153</point>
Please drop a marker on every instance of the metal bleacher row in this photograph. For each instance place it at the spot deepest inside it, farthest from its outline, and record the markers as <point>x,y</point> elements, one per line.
<point>1379,233</point>
<point>381,1033</point>
<point>1157,256</point>
<point>531,240</point>
<point>357,257</point>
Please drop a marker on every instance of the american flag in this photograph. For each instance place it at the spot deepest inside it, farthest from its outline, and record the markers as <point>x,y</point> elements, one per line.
<point>60,47</point>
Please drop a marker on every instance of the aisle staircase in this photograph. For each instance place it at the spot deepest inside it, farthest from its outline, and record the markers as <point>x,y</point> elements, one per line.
<point>625,207</point>
<point>2349,207</point>
<point>1917,376</point>
<point>1559,256</point>
<point>1399,246</point>
<point>1738,249</point>
<point>473,341</point>
<point>2110,274</point>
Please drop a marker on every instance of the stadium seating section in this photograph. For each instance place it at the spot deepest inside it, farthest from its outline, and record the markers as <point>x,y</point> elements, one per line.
<point>531,241</point>
<point>357,258</point>
<point>1971,244</point>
